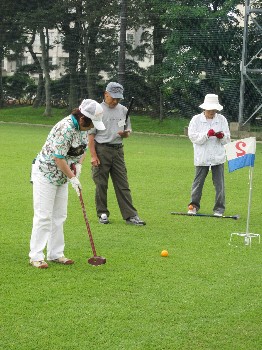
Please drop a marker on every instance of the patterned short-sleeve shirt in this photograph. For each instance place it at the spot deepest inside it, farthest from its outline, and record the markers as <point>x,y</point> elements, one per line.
<point>63,141</point>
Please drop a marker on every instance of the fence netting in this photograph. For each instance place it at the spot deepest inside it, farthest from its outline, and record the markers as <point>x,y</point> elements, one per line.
<point>167,54</point>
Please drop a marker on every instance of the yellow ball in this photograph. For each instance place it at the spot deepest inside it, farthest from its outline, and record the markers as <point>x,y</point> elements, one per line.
<point>190,207</point>
<point>164,253</point>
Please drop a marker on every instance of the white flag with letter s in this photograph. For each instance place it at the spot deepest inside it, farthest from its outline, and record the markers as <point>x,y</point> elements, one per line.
<point>241,153</point>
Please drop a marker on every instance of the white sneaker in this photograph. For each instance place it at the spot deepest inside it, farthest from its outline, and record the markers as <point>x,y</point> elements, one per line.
<point>41,264</point>
<point>103,219</point>
<point>135,220</point>
<point>192,211</point>
<point>63,260</point>
<point>216,213</point>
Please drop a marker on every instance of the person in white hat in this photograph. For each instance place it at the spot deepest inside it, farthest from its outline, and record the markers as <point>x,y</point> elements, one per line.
<point>209,132</point>
<point>107,157</point>
<point>51,171</point>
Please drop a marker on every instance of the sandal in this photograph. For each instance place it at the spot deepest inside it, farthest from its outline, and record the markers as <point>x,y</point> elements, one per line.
<point>63,260</point>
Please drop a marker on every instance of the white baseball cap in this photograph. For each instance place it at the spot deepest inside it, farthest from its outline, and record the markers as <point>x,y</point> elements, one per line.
<point>93,110</point>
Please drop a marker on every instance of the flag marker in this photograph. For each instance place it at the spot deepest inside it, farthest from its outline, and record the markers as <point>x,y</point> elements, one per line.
<point>240,154</point>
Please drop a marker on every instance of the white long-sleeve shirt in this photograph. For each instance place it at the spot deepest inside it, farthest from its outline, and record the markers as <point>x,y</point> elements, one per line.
<point>208,150</point>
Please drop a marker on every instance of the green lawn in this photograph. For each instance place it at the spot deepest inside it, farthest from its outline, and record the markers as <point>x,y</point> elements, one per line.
<point>139,123</point>
<point>205,295</point>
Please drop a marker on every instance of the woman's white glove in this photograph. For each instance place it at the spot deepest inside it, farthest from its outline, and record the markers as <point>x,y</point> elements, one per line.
<point>76,184</point>
<point>78,169</point>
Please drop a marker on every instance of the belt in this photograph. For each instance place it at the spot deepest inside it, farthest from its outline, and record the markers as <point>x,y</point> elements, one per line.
<point>112,145</point>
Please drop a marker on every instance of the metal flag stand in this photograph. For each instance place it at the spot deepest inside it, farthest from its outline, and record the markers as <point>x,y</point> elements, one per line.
<point>247,235</point>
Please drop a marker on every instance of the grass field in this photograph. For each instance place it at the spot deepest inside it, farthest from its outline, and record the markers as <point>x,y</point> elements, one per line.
<point>205,295</point>
<point>140,123</point>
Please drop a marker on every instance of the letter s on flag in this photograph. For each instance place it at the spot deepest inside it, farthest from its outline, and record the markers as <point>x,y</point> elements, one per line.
<point>241,153</point>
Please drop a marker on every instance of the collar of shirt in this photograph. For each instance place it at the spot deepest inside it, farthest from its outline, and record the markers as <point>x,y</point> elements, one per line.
<point>75,122</point>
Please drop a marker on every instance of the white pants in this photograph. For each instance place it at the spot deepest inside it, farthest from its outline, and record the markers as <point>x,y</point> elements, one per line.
<point>50,212</point>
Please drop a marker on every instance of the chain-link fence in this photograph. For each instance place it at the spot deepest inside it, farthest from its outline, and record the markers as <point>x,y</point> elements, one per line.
<point>172,53</point>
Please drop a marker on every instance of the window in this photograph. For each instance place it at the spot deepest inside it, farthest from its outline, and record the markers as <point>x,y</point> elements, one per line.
<point>21,62</point>
<point>130,39</point>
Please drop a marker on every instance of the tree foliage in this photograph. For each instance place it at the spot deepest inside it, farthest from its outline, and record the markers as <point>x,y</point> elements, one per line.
<point>196,48</point>
<point>204,51</point>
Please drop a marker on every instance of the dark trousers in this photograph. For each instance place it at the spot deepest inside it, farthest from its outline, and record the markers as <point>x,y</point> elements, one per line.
<point>112,163</point>
<point>218,182</point>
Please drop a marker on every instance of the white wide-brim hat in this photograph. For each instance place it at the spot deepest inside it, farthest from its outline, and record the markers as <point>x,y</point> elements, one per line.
<point>211,102</point>
<point>92,110</point>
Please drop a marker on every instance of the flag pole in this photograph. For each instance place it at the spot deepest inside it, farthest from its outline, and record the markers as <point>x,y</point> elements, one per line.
<point>236,153</point>
<point>247,237</point>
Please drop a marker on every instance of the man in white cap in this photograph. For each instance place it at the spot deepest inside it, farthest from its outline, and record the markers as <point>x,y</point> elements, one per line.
<point>209,132</point>
<point>107,157</point>
<point>51,171</point>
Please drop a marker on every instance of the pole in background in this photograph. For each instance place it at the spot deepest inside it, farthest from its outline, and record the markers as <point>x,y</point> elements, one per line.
<point>122,43</point>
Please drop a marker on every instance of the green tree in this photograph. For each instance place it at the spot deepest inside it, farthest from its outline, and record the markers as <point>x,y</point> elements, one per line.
<point>19,86</point>
<point>99,39</point>
<point>149,14</point>
<point>203,54</point>
<point>39,17</point>
<point>90,38</point>
<point>68,25</point>
<point>10,33</point>
<point>35,68</point>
